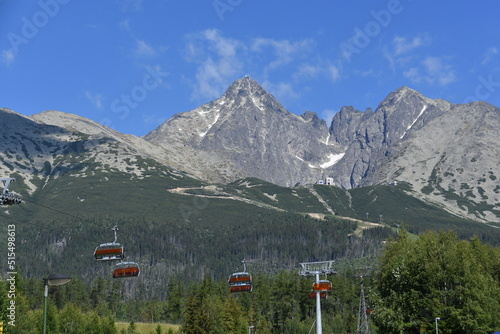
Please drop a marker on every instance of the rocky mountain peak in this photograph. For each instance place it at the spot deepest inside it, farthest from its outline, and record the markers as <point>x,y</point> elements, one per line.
<point>246,86</point>
<point>402,96</point>
<point>448,153</point>
<point>250,95</point>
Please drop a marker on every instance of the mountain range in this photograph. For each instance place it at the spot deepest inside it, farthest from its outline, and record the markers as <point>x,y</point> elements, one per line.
<point>447,154</point>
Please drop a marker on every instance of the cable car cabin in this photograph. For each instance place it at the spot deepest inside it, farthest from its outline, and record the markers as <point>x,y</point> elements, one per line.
<point>242,277</point>
<point>109,251</point>
<point>241,287</point>
<point>126,269</point>
<point>322,295</point>
<point>322,285</point>
<point>240,282</point>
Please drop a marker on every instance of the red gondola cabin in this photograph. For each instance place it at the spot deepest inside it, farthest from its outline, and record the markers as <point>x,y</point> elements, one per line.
<point>240,282</point>
<point>126,269</point>
<point>322,295</point>
<point>322,285</point>
<point>109,251</point>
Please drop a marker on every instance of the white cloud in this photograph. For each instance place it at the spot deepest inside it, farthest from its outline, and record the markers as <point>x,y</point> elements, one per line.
<point>310,71</point>
<point>95,98</point>
<point>283,91</point>
<point>124,25</point>
<point>218,62</point>
<point>432,70</point>
<point>144,49</point>
<point>134,5</point>
<point>402,45</point>
<point>307,71</point>
<point>284,51</point>
<point>334,72</point>
<point>489,55</point>
<point>401,50</point>
<point>224,47</point>
<point>8,56</point>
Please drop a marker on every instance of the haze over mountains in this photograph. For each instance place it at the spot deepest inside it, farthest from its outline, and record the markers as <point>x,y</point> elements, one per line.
<point>447,153</point>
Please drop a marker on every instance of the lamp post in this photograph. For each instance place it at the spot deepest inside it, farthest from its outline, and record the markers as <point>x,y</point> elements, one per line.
<point>436,320</point>
<point>250,329</point>
<point>53,279</point>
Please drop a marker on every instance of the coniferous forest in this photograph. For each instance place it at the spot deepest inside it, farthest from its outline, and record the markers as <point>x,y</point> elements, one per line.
<point>187,245</point>
<point>414,281</point>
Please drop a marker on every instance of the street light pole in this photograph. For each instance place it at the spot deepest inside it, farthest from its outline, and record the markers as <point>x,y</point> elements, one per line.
<point>436,320</point>
<point>45,295</point>
<point>53,279</point>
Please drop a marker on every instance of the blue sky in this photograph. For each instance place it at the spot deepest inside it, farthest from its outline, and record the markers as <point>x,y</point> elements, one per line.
<point>132,64</point>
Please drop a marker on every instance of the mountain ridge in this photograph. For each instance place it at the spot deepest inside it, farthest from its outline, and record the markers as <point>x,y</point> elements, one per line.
<point>446,151</point>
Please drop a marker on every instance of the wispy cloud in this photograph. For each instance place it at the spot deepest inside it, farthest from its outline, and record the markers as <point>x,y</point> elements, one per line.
<point>432,70</point>
<point>8,56</point>
<point>283,91</point>
<point>334,72</point>
<point>124,25</point>
<point>402,45</point>
<point>284,51</point>
<point>95,98</point>
<point>131,5</point>
<point>401,50</point>
<point>313,71</point>
<point>489,55</point>
<point>218,61</point>
<point>143,49</point>
<point>403,56</point>
<point>307,71</point>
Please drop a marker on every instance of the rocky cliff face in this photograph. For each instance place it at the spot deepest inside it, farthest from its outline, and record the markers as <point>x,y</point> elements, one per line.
<point>453,160</point>
<point>250,130</point>
<point>369,137</point>
<point>448,153</point>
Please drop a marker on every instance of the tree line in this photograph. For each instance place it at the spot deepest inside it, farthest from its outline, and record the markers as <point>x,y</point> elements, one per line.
<point>415,281</point>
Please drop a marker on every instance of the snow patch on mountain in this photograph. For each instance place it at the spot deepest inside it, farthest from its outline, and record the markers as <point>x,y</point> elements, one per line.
<point>414,121</point>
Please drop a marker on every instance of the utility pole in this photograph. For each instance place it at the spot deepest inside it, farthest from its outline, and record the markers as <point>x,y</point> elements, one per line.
<point>315,269</point>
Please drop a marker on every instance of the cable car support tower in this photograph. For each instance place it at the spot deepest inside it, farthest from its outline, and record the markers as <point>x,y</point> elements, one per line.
<point>6,197</point>
<point>315,269</point>
<point>363,324</point>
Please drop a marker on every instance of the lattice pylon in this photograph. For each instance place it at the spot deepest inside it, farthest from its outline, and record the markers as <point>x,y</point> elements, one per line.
<point>363,325</point>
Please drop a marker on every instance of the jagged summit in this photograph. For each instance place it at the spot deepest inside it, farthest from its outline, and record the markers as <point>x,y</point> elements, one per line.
<point>251,95</point>
<point>246,84</point>
<point>244,87</point>
<point>448,153</point>
<point>402,94</point>
<point>251,130</point>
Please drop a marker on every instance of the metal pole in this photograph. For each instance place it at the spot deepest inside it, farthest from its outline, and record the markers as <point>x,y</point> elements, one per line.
<point>436,320</point>
<point>319,330</point>
<point>45,295</point>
